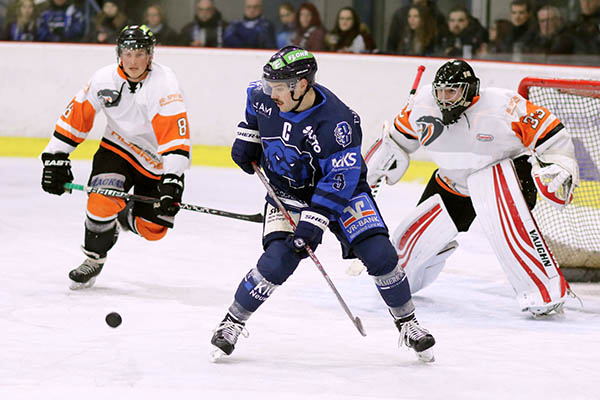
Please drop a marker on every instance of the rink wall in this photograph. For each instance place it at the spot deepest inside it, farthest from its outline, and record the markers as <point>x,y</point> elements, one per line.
<point>38,80</point>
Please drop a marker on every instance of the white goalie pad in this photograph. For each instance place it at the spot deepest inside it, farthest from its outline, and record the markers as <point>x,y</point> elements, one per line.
<point>386,159</point>
<point>423,241</point>
<point>518,243</point>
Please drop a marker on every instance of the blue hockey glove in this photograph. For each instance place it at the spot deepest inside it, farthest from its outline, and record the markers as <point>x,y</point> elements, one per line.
<point>57,172</point>
<point>246,148</point>
<point>170,189</point>
<point>309,230</point>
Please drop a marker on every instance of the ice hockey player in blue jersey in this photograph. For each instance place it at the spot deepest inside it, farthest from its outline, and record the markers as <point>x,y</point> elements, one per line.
<point>308,143</point>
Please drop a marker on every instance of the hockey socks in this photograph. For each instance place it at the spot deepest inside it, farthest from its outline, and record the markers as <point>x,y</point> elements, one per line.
<point>252,291</point>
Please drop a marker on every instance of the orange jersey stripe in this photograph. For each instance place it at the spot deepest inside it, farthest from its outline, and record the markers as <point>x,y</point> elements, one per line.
<point>402,124</point>
<point>79,115</point>
<point>128,158</point>
<point>68,134</point>
<point>104,207</point>
<point>171,127</point>
<point>447,187</point>
<point>535,125</point>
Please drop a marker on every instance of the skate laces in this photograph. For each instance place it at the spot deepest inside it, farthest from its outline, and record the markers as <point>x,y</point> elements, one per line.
<point>411,330</point>
<point>89,266</point>
<point>230,330</point>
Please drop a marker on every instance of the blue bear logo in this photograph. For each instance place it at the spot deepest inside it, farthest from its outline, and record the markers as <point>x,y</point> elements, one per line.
<point>431,128</point>
<point>288,162</point>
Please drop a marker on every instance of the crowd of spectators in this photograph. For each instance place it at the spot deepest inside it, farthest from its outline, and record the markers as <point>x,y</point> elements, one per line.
<point>417,29</point>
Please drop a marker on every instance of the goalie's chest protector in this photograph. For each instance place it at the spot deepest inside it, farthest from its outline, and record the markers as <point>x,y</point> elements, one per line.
<point>483,135</point>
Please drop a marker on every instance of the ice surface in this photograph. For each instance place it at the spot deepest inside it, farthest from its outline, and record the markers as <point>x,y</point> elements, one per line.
<point>171,294</point>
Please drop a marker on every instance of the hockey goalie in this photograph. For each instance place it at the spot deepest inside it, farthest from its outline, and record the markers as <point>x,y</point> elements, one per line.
<point>495,151</point>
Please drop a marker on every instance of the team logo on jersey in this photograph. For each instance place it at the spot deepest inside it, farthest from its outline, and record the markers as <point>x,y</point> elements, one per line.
<point>109,97</point>
<point>343,133</point>
<point>289,162</point>
<point>359,216</point>
<point>483,137</point>
<point>430,129</point>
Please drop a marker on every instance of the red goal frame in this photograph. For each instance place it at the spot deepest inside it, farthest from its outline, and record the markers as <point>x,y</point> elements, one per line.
<point>579,87</point>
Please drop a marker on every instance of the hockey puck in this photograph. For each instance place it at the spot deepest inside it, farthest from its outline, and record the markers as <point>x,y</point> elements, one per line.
<point>113,319</point>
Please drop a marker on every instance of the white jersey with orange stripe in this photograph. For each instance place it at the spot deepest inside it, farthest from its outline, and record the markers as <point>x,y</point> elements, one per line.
<point>146,123</point>
<point>499,124</point>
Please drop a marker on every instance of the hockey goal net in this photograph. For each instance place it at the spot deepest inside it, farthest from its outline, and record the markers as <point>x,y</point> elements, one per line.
<point>573,233</point>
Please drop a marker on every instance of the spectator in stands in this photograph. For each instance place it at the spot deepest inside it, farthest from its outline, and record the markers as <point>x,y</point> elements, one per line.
<point>551,37</point>
<point>108,23</point>
<point>24,28</point>
<point>587,28</point>
<point>400,17</point>
<point>310,33</point>
<point>207,28</point>
<point>465,35</point>
<point>61,22</point>
<point>156,20</point>
<point>3,13</point>
<point>349,35</point>
<point>418,37</point>
<point>498,32</point>
<point>253,31</point>
<point>287,17</point>
<point>523,27</point>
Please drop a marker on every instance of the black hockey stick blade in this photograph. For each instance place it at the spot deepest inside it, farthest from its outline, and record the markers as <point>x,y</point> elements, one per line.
<point>145,199</point>
<point>359,326</point>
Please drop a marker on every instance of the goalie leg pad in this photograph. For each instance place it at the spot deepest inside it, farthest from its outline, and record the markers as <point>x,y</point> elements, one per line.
<point>420,240</point>
<point>513,234</point>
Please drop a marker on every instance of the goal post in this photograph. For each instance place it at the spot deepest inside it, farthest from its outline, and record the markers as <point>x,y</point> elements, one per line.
<point>573,234</point>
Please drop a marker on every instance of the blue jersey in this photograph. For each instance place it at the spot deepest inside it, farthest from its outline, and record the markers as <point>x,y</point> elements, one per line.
<point>310,157</point>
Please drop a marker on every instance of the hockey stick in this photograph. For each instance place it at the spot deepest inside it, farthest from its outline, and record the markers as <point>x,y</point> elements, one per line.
<point>145,199</point>
<point>357,322</point>
<point>357,267</point>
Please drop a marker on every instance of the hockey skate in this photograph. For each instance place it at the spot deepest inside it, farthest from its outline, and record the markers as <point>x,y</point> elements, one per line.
<point>415,337</point>
<point>225,337</point>
<point>84,276</point>
<point>541,312</point>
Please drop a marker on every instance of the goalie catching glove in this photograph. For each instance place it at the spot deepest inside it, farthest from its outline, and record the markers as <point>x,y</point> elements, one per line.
<point>385,159</point>
<point>57,172</point>
<point>170,189</point>
<point>309,231</point>
<point>555,177</point>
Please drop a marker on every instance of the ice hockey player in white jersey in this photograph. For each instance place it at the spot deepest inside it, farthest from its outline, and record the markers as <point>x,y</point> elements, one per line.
<point>495,151</point>
<point>145,146</point>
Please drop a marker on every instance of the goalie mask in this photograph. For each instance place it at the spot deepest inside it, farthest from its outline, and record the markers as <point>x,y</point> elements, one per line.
<point>454,88</point>
<point>289,65</point>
